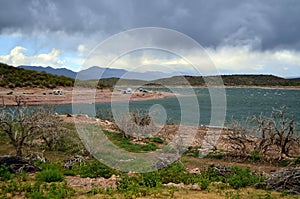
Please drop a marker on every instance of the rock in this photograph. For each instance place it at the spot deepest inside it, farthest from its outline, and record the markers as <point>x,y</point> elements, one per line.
<point>131,173</point>
<point>195,171</point>
<point>17,164</point>
<point>88,183</point>
<point>72,161</point>
<point>171,184</point>
<point>195,187</point>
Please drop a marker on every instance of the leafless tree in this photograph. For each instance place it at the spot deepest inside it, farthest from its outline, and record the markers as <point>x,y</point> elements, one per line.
<point>51,132</point>
<point>284,132</point>
<point>21,123</point>
<point>238,138</point>
<point>275,134</point>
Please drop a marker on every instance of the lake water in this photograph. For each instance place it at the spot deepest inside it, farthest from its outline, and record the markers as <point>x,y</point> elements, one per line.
<point>241,103</point>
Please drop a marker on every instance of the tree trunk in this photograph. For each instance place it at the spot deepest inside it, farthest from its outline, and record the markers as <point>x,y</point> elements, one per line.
<point>19,151</point>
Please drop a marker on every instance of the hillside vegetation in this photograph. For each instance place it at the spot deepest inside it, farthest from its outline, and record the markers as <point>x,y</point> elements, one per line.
<point>13,77</point>
<point>18,77</point>
<point>229,80</point>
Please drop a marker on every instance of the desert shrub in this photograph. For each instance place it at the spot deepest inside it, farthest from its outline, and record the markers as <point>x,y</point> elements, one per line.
<point>242,177</point>
<point>297,161</point>
<point>4,173</point>
<point>255,155</point>
<point>93,169</point>
<point>204,183</point>
<point>215,155</point>
<point>50,175</point>
<point>151,179</point>
<point>173,173</point>
<point>157,140</point>
<point>49,191</point>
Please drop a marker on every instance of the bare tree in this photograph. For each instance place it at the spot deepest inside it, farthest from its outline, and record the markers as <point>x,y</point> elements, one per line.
<point>265,134</point>
<point>238,138</point>
<point>51,132</point>
<point>21,123</point>
<point>284,132</point>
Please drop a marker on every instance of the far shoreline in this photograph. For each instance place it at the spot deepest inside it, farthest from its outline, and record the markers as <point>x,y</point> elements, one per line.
<point>259,87</point>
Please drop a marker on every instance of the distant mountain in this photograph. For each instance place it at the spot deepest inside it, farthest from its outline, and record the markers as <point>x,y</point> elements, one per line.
<point>13,77</point>
<point>111,75</point>
<point>54,71</point>
<point>96,72</point>
<point>296,78</point>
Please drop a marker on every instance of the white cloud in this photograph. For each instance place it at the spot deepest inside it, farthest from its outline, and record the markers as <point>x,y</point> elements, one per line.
<point>242,59</point>
<point>227,59</point>
<point>18,57</point>
<point>82,50</point>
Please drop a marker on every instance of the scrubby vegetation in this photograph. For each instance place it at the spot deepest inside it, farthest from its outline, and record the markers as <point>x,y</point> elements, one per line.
<point>59,169</point>
<point>228,80</point>
<point>12,77</point>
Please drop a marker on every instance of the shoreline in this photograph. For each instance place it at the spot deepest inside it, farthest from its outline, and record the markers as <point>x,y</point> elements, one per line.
<point>41,96</point>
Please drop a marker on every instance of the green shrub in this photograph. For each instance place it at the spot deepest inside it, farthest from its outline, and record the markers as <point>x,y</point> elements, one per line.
<point>157,140</point>
<point>215,155</point>
<point>50,175</point>
<point>4,173</point>
<point>204,183</point>
<point>93,169</point>
<point>125,143</point>
<point>49,191</point>
<point>10,93</point>
<point>255,155</point>
<point>297,161</point>
<point>242,177</point>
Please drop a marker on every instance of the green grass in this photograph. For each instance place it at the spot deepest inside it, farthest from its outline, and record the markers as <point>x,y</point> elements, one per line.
<point>126,143</point>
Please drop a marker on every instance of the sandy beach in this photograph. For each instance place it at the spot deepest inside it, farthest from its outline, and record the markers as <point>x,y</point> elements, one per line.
<point>41,96</point>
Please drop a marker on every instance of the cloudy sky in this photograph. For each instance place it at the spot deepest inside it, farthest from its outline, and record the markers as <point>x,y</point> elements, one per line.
<point>261,37</point>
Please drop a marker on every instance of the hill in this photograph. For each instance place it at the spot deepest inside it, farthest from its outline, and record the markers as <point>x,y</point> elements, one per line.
<point>54,71</point>
<point>18,77</point>
<point>295,79</point>
<point>229,80</point>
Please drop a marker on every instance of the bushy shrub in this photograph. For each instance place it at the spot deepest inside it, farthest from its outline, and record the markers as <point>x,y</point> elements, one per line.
<point>242,177</point>
<point>4,173</point>
<point>157,140</point>
<point>50,175</point>
<point>45,191</point>
<point>93,169</point>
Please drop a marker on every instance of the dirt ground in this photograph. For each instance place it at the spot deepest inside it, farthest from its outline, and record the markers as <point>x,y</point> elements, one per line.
<point>41,96</point>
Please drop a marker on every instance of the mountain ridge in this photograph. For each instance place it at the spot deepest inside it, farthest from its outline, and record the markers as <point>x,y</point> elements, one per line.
<point>94,72</point>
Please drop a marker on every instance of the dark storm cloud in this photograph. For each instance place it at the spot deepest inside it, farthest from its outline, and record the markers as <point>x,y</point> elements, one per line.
<point>261,24</point>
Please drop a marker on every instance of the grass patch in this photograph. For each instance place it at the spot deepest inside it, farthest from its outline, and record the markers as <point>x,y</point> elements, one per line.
<point>92,169</point>
<point>125,143</point>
